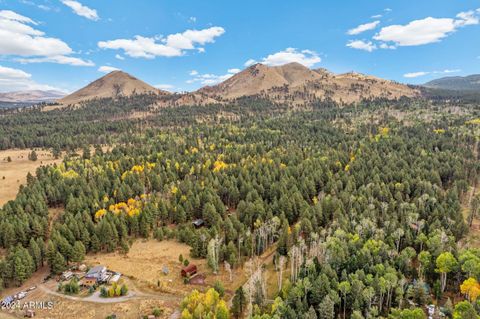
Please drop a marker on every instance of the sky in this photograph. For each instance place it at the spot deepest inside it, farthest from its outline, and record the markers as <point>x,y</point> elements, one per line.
<point>181,45</point>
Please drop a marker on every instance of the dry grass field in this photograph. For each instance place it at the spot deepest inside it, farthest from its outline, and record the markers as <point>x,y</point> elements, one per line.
<point>14,173</point>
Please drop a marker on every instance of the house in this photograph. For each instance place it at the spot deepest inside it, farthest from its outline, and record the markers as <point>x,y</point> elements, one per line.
<point>97,273</point>
<point>189,271</point>
<point>29,313</point>
<point>198,223</point>
<point>88,282</point>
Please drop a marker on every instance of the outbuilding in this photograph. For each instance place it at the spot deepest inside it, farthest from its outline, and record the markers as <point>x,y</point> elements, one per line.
<point>198,223</point>
<point>189,271</point>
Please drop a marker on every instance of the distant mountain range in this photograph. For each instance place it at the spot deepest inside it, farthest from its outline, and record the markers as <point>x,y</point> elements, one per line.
<point>291,84</point>
<point>456,83</point>
<point>31,96</point>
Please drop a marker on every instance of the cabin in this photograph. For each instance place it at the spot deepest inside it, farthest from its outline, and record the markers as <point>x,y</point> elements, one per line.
<point>198,223</point>
<point>97,273</point>
<point>189,271</point>
<point>88,282</point>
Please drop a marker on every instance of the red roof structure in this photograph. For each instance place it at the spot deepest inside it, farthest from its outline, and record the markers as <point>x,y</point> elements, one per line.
<point>189,271</point>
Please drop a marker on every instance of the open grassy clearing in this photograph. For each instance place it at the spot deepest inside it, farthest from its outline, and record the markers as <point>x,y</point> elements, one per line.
<point>15,172</point>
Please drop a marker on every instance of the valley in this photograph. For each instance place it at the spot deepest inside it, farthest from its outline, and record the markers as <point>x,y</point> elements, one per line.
<point>259,205</point>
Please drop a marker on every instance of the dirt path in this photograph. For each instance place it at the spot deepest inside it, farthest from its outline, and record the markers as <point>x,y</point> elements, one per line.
<point>95,297</point>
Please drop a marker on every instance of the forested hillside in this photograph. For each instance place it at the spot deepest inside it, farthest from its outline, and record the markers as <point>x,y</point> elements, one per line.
<point>363,201</point>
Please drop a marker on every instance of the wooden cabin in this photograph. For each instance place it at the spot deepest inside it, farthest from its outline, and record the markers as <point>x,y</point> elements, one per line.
<point>189,271</point>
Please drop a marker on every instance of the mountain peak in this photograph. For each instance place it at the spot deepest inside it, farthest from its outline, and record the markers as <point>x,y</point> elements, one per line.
<point>114,84</point>
<point>295,83</point>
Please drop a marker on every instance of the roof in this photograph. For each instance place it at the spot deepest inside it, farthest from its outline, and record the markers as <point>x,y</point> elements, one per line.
<point>198,222</point>
<point>96,269</point>
<point>190,268</point>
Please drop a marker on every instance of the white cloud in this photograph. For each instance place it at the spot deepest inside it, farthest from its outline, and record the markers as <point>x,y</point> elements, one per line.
<point>192,19</point>
<point>193,72</point>
<point>449,71</point>
<point>425,31</point>
<point>250,62</point>
<point>119,57</point>
<point>362,45</point>
<point>415,74</point>
<point>386,46</point>
<point>59,59</point>
<point>423,73</point>
<point>19,38</point>
<point>377,16</point>
<point>167,87</point>
<point>170,46</point>
<point>107,69</point>
<point>289,55</point>
<point>468,18</point>
<point>212,79</point>
<point>17,80</point>
<point>81,10</point>
<point>417,32</point>
<point>363,27</point>
<point>233,71</point>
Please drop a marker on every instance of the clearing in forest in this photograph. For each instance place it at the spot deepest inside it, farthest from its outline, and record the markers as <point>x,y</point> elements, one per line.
<point>14,173</point>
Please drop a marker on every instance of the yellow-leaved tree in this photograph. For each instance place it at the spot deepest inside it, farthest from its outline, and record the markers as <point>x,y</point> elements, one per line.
<point>471,289</point>
<point>204,305</point>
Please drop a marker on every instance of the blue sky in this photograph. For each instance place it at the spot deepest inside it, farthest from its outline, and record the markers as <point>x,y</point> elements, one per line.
<point>183,45</point>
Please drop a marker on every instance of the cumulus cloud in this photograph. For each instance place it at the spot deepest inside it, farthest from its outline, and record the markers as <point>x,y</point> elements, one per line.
<point>169,46</point>
<point>211,79</point>
<point>415,74</point>
<point>81,10</point>
<point>425,31</point>
<point>423,73</point>
<point>289,55</point>
<point>19,38</point>
<point>363,27</point>
<point>119,57</point>
<point>16,80</point>
<point>59,59</point>
<point>107,69</point>
<point>415,33</point>
<point>362,45</point>
<point>250,62</point>
<point>193,72</point>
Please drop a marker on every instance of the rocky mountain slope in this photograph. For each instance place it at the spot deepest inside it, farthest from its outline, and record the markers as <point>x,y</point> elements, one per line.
<point>114,84</point>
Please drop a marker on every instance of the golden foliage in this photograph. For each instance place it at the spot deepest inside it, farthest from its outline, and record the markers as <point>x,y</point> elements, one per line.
<point>471,288</point>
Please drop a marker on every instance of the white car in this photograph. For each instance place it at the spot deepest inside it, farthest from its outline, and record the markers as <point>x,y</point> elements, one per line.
<point>20,295</point>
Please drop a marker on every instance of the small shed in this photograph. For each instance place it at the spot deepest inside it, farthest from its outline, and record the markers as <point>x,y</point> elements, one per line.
<point>115,278</point>
<point>198,223</point>
<point>67,275</point>
<point>29,313</point>
<point>189,271</point>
